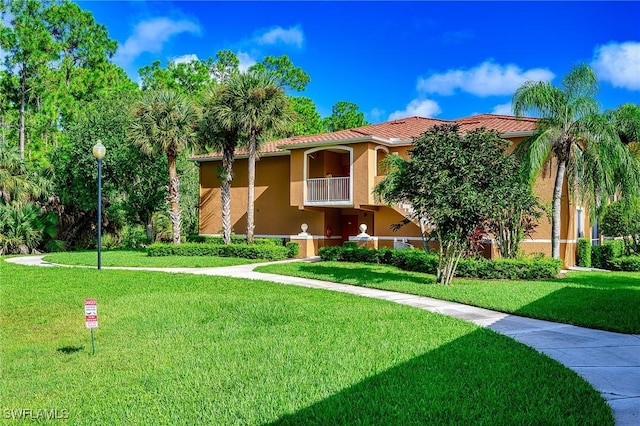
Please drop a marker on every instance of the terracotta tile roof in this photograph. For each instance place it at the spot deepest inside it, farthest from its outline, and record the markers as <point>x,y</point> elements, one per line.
<point>501,123</point>
<point>404,129</point>
<point>395,131</point>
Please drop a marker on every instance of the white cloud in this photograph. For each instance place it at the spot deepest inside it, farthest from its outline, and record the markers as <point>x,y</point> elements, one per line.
<point>619,64</point>
<point>292,36</point>
<point>376,113</point>
<point>245,60</point>
<point>150,36</point>
<point>503,109</point>
<point>486,79</point>
<point>419,107</point>
<point>185,59</point>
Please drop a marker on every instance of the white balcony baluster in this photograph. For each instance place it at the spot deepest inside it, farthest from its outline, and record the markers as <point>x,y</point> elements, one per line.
<point>328,190</point>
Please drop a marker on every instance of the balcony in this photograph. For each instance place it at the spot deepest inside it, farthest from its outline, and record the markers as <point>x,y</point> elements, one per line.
<point>332,191</point>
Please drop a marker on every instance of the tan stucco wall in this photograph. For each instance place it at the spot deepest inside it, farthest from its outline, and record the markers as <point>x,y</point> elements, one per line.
<point>362,173</point>
<point>273,214</point>
<point>296,167</point>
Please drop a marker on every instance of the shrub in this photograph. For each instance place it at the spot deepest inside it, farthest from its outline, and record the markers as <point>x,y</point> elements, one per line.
<point>254,251</point>
<point>350,244</point>
<point>514,269</point>
<point>108,241</point>
<point>194,238</point>
<point>584,252</point>
<point>415,260</point>
<point>359,254</point>
<point>55,246</point>
<point>611,250</point>
<point>626,263</point>
<point>419,261</point>
<point>134,237</point>
<point>385,255</point>
<point>331,253</point>
<point>596,257</point>
<point>622,219</point>
<point>292,249</point>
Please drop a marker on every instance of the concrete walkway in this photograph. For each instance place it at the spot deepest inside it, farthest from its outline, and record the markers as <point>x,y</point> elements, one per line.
<point>609,361</point>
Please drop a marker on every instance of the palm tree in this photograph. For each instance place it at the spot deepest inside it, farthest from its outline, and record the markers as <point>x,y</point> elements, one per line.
<point>255,106</point>
<point>626,119</point>
<point>164,121</point>
<point>584,144</point>
<point>23,222</point>
<point>16,185</point>
<point>215,136</point>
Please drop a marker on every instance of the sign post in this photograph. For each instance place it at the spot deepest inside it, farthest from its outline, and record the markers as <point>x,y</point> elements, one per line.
<point>91,319</point>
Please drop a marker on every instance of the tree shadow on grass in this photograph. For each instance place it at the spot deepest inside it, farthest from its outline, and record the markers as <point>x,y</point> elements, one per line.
<point>364,274</point>
<point>479,378</point>
<point>602,308</point>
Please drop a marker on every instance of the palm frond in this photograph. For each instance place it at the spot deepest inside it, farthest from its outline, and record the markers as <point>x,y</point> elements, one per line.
<point>581,81</point>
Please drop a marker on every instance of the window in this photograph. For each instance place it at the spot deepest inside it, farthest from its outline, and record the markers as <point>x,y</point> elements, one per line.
<point>580,222</point>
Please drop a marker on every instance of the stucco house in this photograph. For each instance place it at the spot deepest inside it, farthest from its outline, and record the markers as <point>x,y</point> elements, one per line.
<point>326,182</point>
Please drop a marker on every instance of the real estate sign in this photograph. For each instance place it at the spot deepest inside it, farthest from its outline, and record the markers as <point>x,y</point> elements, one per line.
<point>91,313</point>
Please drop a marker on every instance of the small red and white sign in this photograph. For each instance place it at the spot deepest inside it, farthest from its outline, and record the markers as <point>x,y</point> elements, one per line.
<point>91,313</point>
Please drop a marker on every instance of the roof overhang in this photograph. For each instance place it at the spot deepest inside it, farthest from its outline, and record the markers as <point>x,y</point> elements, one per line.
<point>286,148</point>
<point>519,134</point>
<point>347,141</point>
<point>241,156</point>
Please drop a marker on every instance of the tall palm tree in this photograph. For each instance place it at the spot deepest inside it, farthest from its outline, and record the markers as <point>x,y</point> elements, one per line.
<point>164,121</point>
<point>256,106</point>
<point>585,146</point>
<point>218,137</point>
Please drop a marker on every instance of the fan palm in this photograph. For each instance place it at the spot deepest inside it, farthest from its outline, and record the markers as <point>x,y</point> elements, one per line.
<point>21,228</point>
<point>585,146</point>
<point>164,121</point>
<point>254,106</point>
<point>15,183</point>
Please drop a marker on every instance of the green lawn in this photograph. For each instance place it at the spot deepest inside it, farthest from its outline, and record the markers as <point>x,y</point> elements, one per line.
<point>191,349</point>
<point>603,300</point>
<point>139,258</point>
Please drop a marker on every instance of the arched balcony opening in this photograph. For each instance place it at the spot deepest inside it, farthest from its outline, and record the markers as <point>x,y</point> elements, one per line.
<point>328,176</point>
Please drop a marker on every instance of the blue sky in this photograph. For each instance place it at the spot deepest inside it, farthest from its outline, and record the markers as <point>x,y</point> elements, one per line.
<point>395,59</point>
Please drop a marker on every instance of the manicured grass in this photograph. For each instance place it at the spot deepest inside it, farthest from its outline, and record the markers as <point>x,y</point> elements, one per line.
<point>192,349</point>
<point>139,258</point>
<point>603,300</point>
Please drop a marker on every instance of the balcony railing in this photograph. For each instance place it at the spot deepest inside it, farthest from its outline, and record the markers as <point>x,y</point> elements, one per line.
<point>333,190</point>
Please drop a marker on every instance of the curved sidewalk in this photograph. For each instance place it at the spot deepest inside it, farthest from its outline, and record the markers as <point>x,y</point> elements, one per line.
<point>609,361</point>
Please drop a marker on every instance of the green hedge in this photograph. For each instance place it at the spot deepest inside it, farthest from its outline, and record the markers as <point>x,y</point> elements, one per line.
<point>603,256</point>
<point>626,263</point>
<point>596,257</point>
<point>293,249</point>
<point>254,251</point>
<point>234,240</point>
<point>584,252</point>
<point>513,269</point>
<point>419,261</point>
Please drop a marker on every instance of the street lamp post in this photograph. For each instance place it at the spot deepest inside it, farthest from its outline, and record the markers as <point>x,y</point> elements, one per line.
<point>99,151</point>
